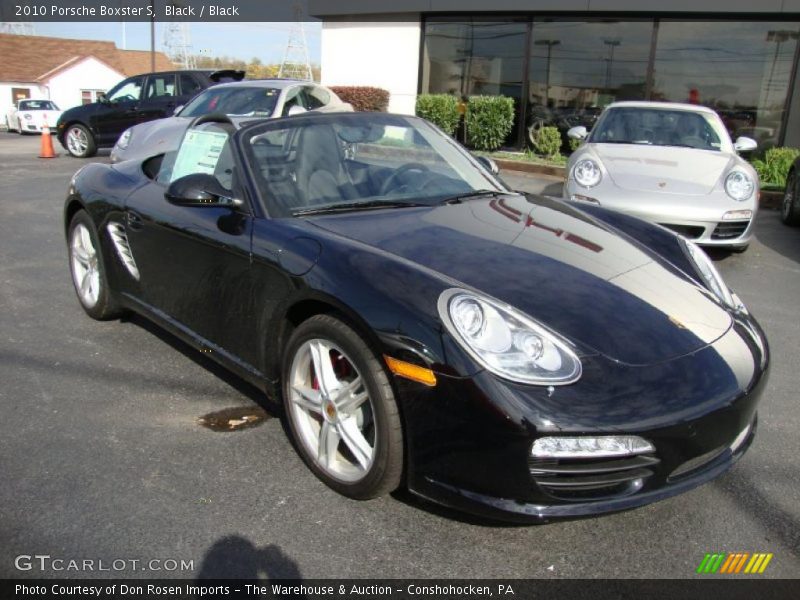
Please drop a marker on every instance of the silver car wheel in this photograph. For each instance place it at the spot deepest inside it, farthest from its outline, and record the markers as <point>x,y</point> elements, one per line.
<point>77,141</point>
<point>332,411</point>
<point>85,269</point>
<point>788,199</point>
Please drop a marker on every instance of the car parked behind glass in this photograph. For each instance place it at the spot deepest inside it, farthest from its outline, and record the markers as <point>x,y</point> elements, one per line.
<point>245,100</point>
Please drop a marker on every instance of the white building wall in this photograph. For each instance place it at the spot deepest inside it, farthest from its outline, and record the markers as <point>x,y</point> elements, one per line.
<point>6,99</point>
<point>381,54</point>
<point>88,74</point>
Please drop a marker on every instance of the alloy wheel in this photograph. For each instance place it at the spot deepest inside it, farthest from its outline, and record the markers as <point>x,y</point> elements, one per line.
<point>332,411</point>
<point>788,198</point>
<point>85,268</point>
<point>77,141</point>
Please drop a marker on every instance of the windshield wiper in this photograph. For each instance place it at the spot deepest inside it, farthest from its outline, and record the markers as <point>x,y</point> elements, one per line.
<point>354,206</point>
<point>458,198</point>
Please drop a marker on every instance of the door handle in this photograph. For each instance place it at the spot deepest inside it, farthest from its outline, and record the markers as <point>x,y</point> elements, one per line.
<point>134,221</point>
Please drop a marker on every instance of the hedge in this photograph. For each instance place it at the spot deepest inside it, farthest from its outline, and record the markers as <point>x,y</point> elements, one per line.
<point>439,109</point>
<point>363,98</point>
<point>547,141</point>
<point>489,121</point>
<point>775,166</point>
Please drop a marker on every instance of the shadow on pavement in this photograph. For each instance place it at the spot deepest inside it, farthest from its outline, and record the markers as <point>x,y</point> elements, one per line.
<point>235,557</point>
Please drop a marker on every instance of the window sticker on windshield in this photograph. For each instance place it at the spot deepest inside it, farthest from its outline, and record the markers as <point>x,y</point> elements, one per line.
<point>199,153</point>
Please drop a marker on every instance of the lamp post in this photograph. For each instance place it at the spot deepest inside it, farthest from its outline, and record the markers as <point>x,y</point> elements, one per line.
<point>549,44</point>
<point>609,65</point>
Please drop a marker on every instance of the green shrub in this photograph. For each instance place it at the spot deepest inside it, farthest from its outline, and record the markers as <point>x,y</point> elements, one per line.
<point>547,141</point>
<point>489,121</point>
<point>363,98</point>
<point>775,166</point>
<point>439,109</point>
<point>574,144</point>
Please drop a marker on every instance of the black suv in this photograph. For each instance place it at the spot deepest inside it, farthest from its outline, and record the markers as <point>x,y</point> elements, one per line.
<point>84,129</point>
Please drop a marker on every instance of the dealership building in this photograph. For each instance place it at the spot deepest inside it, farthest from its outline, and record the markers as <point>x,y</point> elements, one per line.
<point>558,58</point>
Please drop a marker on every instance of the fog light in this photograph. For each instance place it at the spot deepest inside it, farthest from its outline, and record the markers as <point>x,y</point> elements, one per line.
<point>737,215</point>
<point>740,439</point>
<point>582,198</point>
<point>590,447</point>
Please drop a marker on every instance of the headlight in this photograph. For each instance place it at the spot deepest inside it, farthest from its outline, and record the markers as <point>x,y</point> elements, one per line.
<point>507,342</point>
<point>739,185</point>
<point>125,139</point>
<point>27,116</point>
<point>708,272</point>
<point>587,173</point>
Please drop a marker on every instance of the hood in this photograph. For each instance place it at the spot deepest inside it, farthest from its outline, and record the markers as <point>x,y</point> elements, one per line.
<point>557,265</point>
<point>161,135</point>
<point>663,169</point>
<point>84,111</point>
<point>41,116</point>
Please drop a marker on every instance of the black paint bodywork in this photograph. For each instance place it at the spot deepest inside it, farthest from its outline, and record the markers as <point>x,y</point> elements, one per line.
<point>662,357</point>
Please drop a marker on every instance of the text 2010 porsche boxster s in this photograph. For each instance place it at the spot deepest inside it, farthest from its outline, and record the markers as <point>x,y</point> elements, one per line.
<point>517,357</point>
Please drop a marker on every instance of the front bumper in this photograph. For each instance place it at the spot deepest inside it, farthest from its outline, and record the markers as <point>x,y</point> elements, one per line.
<point>702,222</point>
<point>469,439</point>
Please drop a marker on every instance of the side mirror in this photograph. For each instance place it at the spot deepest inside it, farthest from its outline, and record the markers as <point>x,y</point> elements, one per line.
<point>745,144</point>
<point>178,109</point>
<point>489,164</point>
<point>296,110</point>
<point>578,133</point>
<point>103,99</point>
<point>199,189</point>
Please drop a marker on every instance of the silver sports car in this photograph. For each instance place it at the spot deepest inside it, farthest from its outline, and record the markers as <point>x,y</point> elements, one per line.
<point>671,164</point>
<point>240,100</point>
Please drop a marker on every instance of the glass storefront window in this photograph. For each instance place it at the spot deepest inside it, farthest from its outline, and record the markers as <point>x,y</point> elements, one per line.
<point>579,67</point>
<point>740,69</point>
<point>469,57</point>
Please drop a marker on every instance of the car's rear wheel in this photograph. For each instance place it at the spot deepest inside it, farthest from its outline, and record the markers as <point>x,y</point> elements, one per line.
<point>80,141</point>
<point>341,409</point>
<point>88,269</point>
<point>790,208</point>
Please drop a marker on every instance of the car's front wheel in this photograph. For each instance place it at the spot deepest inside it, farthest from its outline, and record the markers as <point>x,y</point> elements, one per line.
<point>80,141</point>
<point>88,269</point>
<point>341,409</point>
<point>19,127</point>
<point>790,208</point>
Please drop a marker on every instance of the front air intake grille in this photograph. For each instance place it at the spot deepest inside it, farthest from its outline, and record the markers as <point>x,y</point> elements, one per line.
<point>696,463</point>
<point>688,231</point>
<point>583,479</point>
<point>728,230</point>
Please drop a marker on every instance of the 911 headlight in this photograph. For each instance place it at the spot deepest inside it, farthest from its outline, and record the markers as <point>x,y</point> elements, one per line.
<point>709,273</point>
<point>27,116</point>
<point>587,173</point>
<point>507,342</point>
<point>739,185</point>
<point>125,139</point>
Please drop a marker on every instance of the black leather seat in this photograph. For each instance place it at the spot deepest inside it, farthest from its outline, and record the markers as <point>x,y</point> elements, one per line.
<point>321,178</point>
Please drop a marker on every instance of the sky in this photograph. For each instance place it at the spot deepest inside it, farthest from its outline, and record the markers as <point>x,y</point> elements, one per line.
<point>265,41</point>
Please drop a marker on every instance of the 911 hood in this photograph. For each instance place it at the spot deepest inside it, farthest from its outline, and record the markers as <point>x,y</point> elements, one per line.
<point>161,135</point>
<point>663,169</point>
<point>557,265</point>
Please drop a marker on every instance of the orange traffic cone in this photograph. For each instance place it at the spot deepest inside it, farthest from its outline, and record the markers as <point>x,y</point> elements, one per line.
<point>47,143</point>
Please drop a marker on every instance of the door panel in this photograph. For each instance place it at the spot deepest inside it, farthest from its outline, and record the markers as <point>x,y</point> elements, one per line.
<point>119,113</point>
<point>160,97</point>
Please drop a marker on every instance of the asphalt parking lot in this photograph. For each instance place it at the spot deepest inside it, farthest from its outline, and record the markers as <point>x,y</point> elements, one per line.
<point>103,455</point>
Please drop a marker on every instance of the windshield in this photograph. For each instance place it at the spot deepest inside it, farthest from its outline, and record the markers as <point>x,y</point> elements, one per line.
<point>661,127</point>
<point>352,160</point>
<point>37,105</point>
<point>245,101</point>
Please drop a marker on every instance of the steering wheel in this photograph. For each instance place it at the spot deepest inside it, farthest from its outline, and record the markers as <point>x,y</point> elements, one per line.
<point>392,179</point>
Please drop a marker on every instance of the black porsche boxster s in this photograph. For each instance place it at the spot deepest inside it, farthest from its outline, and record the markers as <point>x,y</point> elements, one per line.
<point>423,325</point>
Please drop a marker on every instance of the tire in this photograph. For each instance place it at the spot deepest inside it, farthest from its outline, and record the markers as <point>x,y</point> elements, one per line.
<point>87,266</point>
<point>9,129</point>
<point>790,207</point>
<point>19,127</point>
<point>364,458</point>
<point>79,141</point>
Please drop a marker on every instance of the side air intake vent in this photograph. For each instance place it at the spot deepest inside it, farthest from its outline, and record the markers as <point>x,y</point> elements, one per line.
<point>120,239</point>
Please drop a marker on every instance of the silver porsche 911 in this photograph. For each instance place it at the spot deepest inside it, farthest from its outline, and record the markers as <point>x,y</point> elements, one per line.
<point>671,164</point>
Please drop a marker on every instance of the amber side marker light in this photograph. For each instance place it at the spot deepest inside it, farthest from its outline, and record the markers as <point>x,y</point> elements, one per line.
<point>409,371</point>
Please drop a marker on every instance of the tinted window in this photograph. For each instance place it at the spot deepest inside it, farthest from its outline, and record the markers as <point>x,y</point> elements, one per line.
<point>37,105</point>
<point>160,85</point>
<point>130,89</point>
<point>189,85</point>
<point>234,101</point>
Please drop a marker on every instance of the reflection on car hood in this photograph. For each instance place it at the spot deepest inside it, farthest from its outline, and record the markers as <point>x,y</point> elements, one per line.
<point>161,135</point>
<point>557,265</point>
<point>663,169</point>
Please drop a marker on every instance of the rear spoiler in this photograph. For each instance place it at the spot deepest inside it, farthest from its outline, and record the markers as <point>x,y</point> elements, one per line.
<point>225,75</point>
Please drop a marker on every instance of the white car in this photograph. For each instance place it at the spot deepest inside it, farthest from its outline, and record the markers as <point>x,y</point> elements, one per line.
<point>671,164</point>
<point>240,100</point>
<point>30,116</point>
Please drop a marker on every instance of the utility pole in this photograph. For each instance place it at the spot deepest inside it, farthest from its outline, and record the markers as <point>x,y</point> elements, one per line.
<point>549,44</point>
<point>610,64</point>
<point>295,64</point>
